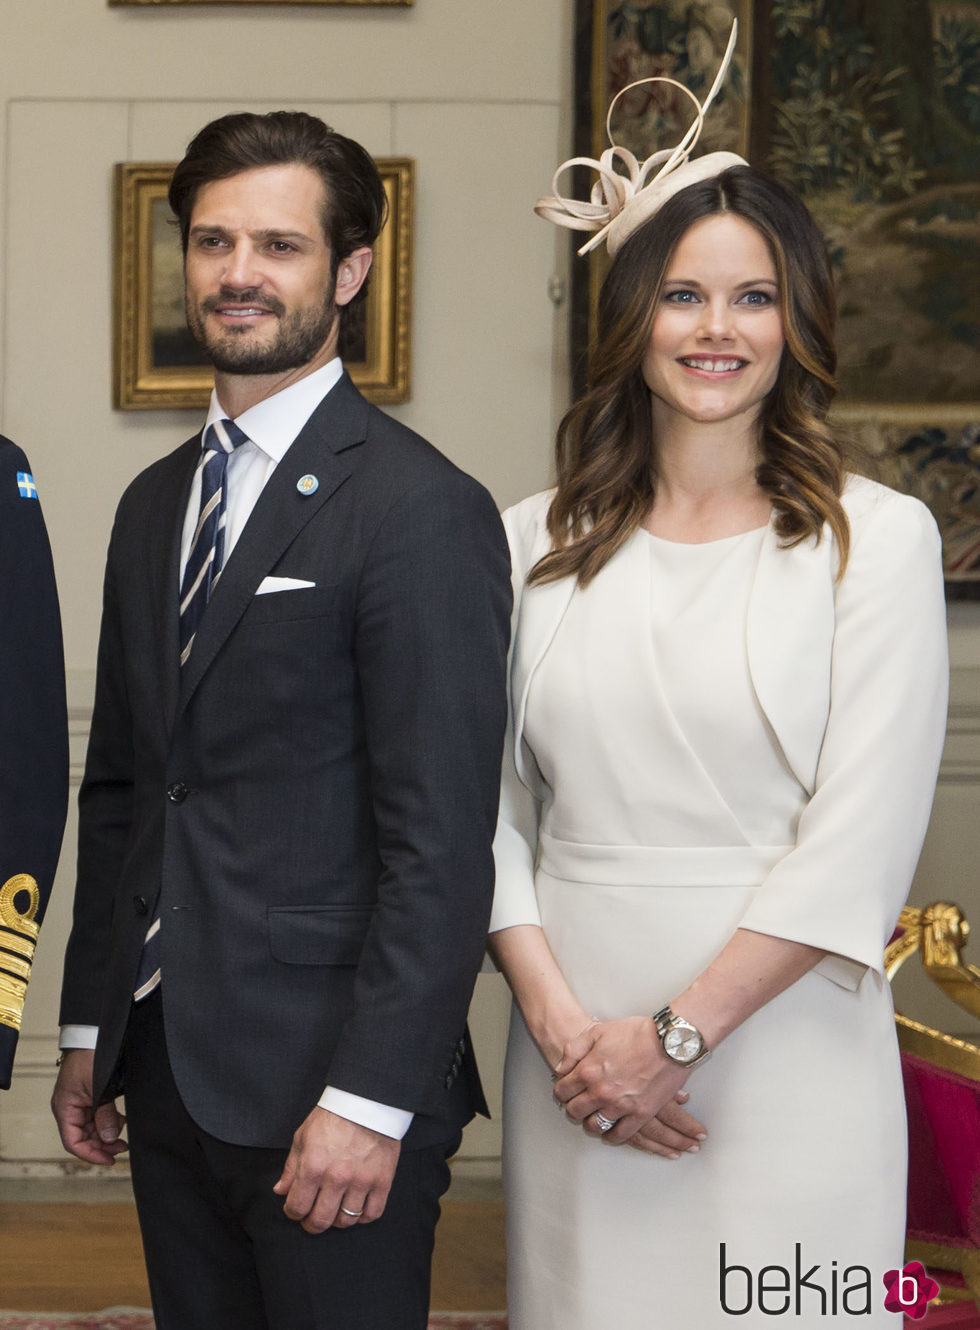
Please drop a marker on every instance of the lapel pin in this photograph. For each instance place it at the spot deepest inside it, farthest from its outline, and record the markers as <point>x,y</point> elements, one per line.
<point>307,484</point>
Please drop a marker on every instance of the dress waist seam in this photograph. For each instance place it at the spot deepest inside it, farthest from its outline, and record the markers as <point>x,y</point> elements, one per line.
<point>658,865</point>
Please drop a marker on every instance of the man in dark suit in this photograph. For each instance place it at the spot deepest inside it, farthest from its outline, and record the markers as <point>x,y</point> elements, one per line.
<point>33,737</point>
<point>290,794</point>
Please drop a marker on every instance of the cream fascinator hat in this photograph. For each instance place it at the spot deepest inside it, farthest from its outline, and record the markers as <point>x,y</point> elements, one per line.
<point>619,204</point>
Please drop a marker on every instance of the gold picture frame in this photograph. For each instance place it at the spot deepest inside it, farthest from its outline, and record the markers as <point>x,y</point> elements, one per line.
<point>156,363</point>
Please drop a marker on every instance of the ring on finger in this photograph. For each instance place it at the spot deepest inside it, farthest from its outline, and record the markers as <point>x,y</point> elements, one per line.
<point>604,1124</point>
<point>354,1214</point>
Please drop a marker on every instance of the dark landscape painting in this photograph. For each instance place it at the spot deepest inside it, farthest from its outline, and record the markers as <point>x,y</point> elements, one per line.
<point>872,113</point>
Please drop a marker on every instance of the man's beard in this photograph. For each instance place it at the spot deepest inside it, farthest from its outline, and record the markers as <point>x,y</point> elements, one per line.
<point>300,337</point>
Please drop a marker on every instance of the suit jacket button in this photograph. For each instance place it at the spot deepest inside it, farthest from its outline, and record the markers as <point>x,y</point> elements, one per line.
<point>177,792</point>
<point>140,905</point>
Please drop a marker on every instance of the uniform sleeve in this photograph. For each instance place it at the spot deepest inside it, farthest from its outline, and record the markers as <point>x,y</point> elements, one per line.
<point>515,844</point>
<point>859,837</point>
<point>33,737</point>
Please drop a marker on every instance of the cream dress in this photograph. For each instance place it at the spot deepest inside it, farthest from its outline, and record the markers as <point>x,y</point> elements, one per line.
<point>667,801</point>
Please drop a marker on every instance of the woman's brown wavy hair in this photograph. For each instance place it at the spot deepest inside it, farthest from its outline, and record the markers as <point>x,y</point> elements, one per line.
<point>606,448</point>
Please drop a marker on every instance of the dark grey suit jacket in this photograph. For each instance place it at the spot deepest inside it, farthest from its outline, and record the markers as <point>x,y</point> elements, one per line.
<point>310,807</point>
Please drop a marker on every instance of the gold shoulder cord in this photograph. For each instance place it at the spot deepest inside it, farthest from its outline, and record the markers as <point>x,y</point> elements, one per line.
<point>18,937</point>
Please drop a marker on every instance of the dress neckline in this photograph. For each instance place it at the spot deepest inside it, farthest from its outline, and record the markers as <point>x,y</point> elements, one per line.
<point>702,544</point>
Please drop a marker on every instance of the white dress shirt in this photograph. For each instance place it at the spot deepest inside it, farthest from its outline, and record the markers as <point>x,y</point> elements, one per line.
<point>271,426</point>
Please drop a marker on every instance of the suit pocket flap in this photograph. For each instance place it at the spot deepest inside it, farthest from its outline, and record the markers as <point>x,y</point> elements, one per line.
<point>318,934</point>
<point>307,602</point>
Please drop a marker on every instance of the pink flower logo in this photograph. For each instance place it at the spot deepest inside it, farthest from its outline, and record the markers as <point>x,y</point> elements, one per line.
<point>909,1290</point>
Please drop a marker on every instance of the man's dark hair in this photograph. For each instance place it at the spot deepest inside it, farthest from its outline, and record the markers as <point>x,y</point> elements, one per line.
<point>356,203</point>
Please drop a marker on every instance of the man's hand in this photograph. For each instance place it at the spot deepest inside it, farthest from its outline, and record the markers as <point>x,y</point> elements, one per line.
<point>90,1134</point>
<point>337,1173</point>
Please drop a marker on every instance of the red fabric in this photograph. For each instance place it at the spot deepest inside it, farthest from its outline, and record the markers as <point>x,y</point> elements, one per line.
<point>944,1155</point>
<point>954,1316</point>
<point>944,1174</point>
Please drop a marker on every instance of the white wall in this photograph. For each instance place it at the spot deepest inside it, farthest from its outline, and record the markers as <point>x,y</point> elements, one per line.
<point>475,92</point>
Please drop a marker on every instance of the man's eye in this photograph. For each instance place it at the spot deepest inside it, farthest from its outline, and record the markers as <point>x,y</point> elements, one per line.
<point>281,247</point>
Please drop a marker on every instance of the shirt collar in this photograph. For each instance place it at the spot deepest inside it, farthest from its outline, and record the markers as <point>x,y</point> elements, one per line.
<point>274,423</point>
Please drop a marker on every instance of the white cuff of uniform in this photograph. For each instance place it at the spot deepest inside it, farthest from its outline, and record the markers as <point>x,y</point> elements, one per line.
<point>393,1122</point>
<point>78,1036</point>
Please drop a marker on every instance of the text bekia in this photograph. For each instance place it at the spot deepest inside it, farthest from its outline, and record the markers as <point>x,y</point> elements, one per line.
<point>810,1290</point>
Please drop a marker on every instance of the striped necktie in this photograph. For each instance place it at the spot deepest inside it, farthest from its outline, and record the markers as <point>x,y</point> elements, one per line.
<point>201,575</point>
<point>208,545</point>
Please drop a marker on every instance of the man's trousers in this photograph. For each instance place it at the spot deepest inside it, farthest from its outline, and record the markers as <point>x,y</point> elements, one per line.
<point>220,1252</point>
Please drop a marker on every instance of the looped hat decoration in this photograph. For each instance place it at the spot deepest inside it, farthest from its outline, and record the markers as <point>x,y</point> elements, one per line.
<point>620,203</point>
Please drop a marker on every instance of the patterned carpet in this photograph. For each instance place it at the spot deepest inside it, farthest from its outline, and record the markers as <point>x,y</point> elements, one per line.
<point>113,1318</point>
<point>130,1318</point>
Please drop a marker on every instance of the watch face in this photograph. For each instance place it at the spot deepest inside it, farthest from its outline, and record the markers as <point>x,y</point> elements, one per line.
<point>682,1042</point>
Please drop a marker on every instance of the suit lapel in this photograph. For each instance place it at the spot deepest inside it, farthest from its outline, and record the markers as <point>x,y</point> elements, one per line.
<point>281,512</point>
<point>165,526</point>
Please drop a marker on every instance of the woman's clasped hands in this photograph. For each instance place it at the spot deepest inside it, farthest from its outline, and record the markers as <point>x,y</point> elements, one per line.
<point>616,1071</point>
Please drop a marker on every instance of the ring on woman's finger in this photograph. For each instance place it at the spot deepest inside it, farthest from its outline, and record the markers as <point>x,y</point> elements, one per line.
<point>604,1124</point>
<point>354,1214</point>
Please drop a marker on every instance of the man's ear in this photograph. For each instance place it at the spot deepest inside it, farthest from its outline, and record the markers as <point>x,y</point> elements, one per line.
<point>351,275</point>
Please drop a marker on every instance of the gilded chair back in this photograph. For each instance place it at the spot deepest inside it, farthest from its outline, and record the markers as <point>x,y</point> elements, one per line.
<point>942,1092</point>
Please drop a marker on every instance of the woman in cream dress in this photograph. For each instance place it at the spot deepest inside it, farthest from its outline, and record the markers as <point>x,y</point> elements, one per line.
<point>728,700</point>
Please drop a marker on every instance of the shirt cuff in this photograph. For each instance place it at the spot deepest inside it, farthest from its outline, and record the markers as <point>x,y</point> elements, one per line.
<point>78,1036</point>
<point>393,1122</point>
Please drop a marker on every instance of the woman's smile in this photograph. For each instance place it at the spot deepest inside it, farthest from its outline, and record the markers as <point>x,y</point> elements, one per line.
<point>716,365</point>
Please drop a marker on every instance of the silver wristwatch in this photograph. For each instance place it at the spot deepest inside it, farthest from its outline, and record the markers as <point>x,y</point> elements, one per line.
<point>682,1042</point>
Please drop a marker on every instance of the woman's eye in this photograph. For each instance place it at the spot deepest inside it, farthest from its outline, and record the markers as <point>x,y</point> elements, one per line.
<point>757,298</point>
<point>680,297</point>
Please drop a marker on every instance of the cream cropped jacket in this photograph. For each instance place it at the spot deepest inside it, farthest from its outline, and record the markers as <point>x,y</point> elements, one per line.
<point>853,678</point>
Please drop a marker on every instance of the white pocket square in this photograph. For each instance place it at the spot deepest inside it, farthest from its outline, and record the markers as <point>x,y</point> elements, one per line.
<point>281,584</point>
